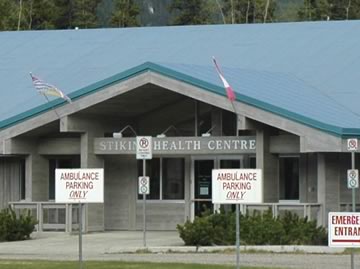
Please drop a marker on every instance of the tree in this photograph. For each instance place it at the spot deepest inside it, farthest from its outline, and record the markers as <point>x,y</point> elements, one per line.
<point>192,12</point>
<point>125,14</point>
<point>249,11</point>
<point>84,13</point>
<point>313,10</point>
<point>8,12</point>
<point>103,12</point>
<point>42,14</point>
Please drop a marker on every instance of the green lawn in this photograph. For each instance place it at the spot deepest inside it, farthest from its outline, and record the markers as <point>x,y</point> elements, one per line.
<point>7,264</point>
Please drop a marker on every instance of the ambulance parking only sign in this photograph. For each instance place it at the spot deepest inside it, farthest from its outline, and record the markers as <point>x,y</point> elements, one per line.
<point>237,186</point>
<point>79,185</point>
<point>344,229</point>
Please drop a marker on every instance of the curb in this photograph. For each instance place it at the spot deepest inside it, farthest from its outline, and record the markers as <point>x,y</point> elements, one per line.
<point>230,249</point>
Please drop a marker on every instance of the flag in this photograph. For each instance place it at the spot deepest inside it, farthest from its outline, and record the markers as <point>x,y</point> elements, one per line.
<point>47,89</point>
<point>229,91</point>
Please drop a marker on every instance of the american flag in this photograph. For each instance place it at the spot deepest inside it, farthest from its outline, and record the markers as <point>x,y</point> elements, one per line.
<point>47,89</point>
<point>229,91</point>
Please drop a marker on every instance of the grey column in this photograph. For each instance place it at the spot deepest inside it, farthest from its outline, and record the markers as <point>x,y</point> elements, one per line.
<point>36,178</point>
<point>328,183</point>
<point>94,220</point>
<point>269,164</point>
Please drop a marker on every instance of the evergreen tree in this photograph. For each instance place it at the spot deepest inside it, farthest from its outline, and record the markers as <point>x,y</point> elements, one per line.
<point>191,12</point>
<point>249,11</point>
<point>104,12</point>
<point>8,11</point>
<point>314,10</point>
<point>42,14</point>
<point>84,13</point>
<point>125,14</point>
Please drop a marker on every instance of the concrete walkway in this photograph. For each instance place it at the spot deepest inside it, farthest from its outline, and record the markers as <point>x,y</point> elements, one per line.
<point>165,247</point>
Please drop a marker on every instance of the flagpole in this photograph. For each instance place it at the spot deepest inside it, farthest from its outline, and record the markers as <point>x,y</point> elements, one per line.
<point>52,107</point>
<point>232,97</point>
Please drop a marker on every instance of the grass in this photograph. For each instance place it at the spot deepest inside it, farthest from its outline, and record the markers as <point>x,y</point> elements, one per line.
<point>11,264</point>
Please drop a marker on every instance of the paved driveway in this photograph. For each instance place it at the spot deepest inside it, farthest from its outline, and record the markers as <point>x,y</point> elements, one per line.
<point>122,245</point>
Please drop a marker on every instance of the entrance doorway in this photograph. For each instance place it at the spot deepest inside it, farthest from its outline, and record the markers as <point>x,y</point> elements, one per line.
<point>201,188</point>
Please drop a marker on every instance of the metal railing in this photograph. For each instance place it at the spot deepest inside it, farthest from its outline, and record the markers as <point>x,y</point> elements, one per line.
<point>311,211</point>
<point>65,217</point>
<point>51,216</point>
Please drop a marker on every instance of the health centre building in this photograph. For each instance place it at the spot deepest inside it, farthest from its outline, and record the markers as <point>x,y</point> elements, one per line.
<point>297,102</point>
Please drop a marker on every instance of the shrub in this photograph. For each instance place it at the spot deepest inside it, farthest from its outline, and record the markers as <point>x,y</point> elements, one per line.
<point>13,228</point>
<point>255,229</point>
<point>197,233</point>
<point>301,231</point>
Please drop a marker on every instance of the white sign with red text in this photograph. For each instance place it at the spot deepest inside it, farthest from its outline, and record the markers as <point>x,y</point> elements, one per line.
<point>344,229</point>
<point>79,185</point>
<point>237,186</point>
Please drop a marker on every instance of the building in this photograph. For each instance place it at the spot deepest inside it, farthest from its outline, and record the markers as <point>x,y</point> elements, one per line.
<point>297,92</point>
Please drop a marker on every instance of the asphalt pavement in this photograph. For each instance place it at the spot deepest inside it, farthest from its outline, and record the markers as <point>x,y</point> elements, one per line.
<point>167,247</point>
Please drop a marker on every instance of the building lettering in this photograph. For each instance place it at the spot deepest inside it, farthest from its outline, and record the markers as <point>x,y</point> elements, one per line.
<point>180,145</point>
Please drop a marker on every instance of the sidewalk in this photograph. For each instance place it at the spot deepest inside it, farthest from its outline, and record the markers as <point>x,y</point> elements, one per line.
<point>51,244</point>
<point>166,247</point>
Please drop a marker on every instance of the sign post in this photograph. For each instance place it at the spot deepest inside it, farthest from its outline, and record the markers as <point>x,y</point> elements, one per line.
<point>353,180</point>
<point>144,152</point>
<point>79,186</point>
<point>237,186</point>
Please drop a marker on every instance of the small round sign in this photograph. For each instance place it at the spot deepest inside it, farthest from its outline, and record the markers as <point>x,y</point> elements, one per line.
<point>143,189</point>
<point>352,183</point>
<point>143,142</point>
<point>352,175</point>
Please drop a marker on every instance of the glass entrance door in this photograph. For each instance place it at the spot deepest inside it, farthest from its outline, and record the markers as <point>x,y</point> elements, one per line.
<point>201,190</point>
<point>202,186</point>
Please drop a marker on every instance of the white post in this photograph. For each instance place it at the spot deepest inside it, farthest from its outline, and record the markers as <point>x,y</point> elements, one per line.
<point>144,206</point>
<point>237,236</point>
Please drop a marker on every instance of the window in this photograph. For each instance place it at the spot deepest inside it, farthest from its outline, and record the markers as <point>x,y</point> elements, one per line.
<point>289,178</point>
<point>166,178</point>
<point>152,171</point>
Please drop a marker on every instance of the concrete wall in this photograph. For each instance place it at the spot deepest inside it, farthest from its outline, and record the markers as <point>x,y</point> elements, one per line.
<point>120,192</point>
<point>160,215</point>
<point>328,174</point>
<point>269,163</point>
<point>94,217</point>
<point>122,209</point>
<point>37,178</point>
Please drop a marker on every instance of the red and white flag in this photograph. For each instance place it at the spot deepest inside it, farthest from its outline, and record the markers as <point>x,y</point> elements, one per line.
<point>229,91</point>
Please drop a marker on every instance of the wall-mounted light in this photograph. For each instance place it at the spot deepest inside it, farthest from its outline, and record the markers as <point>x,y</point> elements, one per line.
<point>163,134</point>
<point>120,134</point>
<point>208,132</point>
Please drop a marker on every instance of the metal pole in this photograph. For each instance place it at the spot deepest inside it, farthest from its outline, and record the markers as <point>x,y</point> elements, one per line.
<point>353,205</point>
<point>144,206</point>
<point>237,237</point>
<point>80,237</point>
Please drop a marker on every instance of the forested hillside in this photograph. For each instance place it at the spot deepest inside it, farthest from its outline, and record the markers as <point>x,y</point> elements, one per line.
<point>68,14</point>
